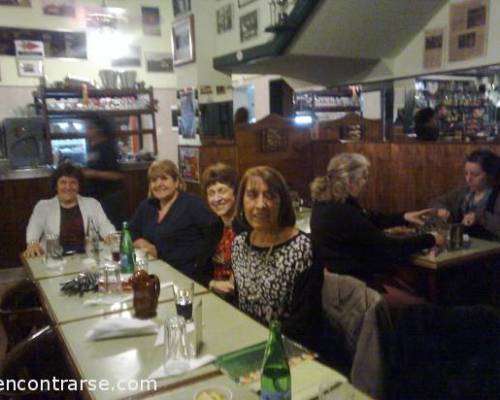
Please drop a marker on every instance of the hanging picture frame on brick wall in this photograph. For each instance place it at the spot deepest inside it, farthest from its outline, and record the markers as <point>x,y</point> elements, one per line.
<point>249,26</point>
<point>243,3</point>
<point>225,18</point>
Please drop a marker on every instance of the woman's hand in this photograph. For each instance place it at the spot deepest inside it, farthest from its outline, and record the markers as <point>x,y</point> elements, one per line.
<point>416,217</point>
<point>469,219</point>
<point>222,287</point>
<point>443,214</point>
<point>148,247</point>
<point>33,249</point>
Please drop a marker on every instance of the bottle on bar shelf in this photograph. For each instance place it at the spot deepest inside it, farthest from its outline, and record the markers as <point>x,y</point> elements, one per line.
<point>126,251</point>
<point>275,381</point>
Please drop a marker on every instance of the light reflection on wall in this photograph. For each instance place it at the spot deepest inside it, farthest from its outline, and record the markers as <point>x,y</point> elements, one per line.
<point>105,45</point>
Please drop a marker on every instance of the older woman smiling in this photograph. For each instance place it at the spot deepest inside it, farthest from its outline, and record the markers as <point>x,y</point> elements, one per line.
<point>65,215</point>
<point>171,224</point>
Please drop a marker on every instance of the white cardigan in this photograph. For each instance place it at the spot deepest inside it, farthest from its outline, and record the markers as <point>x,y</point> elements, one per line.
<point>46,218</point>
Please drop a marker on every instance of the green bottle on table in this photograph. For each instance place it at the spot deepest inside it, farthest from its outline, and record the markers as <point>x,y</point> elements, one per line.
<point>126,251</point>
<point>275,381</point>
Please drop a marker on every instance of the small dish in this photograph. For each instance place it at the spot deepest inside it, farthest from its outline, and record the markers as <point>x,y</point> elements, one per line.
<point>213,393</point>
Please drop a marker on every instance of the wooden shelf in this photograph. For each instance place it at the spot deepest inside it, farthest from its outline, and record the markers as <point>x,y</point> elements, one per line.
<point>112,113</point>
<point>69,93</point>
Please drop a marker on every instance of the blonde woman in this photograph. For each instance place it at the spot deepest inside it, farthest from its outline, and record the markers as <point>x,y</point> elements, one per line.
<point>347,239</point>
<point>171,224</point>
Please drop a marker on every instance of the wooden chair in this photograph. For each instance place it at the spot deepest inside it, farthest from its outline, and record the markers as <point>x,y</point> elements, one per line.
<point>36,358</point>
<point>20,312</point>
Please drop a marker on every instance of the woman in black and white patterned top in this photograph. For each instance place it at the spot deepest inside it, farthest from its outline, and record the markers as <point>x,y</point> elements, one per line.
<point>273,260</point>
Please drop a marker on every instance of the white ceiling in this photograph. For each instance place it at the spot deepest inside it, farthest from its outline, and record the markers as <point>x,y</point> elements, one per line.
<point>343,40</point>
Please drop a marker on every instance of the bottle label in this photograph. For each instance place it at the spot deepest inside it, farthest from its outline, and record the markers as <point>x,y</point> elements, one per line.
<point>265,395</point>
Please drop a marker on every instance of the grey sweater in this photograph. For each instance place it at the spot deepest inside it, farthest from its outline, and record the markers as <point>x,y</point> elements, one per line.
<point>488,221</point>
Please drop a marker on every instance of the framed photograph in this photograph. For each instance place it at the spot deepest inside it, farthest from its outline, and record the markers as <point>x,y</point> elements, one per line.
<point>60,8</point>
<point>183,41</point>
<point>189,163</point>
<point>181,7</point>
<point>225,18</point>
<point>30,68</point>
<point>243,3</point>
<point>159,62</point>
<point>151,21</point>
<point>16,3</point>
<point>249,26</point>
<point>131,59</point>
<point>273,140</point>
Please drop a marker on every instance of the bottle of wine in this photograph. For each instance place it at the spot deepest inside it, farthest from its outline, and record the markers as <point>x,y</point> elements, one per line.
<point>126,251</point>
<point>275,381</point>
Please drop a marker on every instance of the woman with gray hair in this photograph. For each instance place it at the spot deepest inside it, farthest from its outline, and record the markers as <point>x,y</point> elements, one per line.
<point>349,240</point>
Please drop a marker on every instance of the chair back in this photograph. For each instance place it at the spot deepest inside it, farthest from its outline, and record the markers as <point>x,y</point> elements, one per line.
<point>20,312</point>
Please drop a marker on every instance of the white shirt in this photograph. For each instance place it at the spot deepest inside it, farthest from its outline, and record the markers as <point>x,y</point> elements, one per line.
<point>46,218</point>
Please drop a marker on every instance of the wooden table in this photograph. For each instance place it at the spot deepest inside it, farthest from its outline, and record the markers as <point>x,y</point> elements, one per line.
<point>479,250</point>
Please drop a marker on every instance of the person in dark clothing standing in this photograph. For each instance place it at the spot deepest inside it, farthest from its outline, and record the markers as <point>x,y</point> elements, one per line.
<point>103,176</point>
<point>349,240</point>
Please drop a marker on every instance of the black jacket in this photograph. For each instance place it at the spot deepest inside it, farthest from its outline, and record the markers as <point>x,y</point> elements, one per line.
<point>204,274</point>
<point>348,240</point>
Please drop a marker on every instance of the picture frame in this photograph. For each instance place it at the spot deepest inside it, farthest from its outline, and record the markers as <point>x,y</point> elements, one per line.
<point>273,140</point>
<point>30,68</point>
<point>224,18</point>
<point>131,59</point>
<point>159,62</point>
<point>183,41</point>
<point>243,3</point>
<point>189,163</point>
<point>249,26</point>
<point>181,7</point>
<point>60,8</point>
<point>16,3</point>
<point>151,21</point>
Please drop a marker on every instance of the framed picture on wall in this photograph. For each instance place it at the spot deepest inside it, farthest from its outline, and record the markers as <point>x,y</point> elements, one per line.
<point>17,3</point>
<point>183,41</point>
<point>61,8</point>
<point>131,59</point>
<point>273,140</point>
<point>225,18</point>
<point>181,7</point>
<point>159,62</point>
<point>30,68</point>
<point>189,163</point>
<point>151,21</point>
<point>243,3</point>
<point>249,26</point>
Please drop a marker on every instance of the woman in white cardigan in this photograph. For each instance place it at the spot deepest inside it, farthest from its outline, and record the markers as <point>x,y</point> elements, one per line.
<point>66,214</point>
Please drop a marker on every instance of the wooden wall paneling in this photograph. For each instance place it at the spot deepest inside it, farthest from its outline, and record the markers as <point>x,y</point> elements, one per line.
<point>294,162</point>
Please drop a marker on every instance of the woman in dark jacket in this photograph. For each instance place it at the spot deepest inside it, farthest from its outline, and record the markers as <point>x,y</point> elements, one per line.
<point>347,239</point>
<point>219,184</point>
<point>171,224</point>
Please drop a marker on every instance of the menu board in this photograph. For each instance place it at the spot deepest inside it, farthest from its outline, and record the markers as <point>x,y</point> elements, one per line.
<point>56,43</point>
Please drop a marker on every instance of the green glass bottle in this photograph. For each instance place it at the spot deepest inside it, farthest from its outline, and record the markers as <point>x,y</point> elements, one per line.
<point>126,251</point>
<point>275,381</point>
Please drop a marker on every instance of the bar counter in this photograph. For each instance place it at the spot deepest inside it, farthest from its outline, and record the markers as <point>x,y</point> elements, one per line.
<point>21,189</point>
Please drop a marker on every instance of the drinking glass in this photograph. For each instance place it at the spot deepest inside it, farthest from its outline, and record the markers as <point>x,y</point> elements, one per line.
<point>53,250</point>
<point>110,278</point>
<point>176,355</point>
<point>183,293</point>
<point>114,245</point>
<point>455,238</point>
